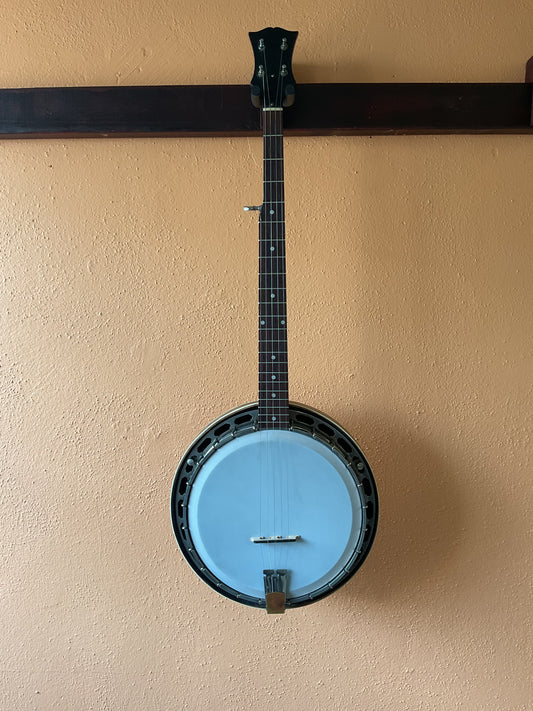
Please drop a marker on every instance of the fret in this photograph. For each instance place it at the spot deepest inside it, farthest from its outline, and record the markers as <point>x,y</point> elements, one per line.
<point>280,422</point>
<point>271,354</point>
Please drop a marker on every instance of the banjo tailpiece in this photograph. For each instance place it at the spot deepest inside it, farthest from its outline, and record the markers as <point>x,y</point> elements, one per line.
<point>275,582</point>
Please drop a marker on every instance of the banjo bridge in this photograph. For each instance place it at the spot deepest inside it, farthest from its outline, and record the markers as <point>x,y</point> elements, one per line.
<point>275,539</point>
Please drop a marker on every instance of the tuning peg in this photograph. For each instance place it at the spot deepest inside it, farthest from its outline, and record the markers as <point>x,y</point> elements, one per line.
<point>247,208</point>
<point>256,96</point>
<point>289,95</point>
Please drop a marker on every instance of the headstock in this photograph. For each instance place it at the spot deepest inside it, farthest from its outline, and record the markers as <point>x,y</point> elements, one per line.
<point>273,82</point>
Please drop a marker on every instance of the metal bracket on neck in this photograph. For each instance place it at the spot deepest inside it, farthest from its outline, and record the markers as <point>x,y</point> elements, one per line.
<point>275,590</point>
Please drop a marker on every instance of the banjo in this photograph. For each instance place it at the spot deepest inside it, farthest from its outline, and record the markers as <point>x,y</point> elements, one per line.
<point>274,504</point>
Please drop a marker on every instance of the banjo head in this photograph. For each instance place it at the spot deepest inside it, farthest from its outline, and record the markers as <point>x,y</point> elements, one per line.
<point>301,501</point>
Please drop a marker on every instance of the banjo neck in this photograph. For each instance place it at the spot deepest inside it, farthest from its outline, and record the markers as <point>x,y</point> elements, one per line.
<point>272,88</point>
<point>273,364</point>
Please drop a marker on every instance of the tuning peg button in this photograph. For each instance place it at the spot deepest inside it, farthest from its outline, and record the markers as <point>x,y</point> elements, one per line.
<point>247,208</point>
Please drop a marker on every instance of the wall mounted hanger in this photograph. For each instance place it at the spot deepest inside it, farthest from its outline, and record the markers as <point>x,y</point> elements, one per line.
<point>225,110</point>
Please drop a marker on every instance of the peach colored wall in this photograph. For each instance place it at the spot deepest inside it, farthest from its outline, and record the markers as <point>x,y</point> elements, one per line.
<point>128,321</point>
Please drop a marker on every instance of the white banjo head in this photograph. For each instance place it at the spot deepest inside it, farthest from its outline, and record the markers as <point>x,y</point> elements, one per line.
<point>302,501</point>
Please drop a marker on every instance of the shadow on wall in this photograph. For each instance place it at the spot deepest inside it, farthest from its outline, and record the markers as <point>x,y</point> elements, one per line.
<point>422,519</point>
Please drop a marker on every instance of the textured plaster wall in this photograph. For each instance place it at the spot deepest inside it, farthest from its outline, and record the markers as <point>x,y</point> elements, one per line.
<point>128,323</point>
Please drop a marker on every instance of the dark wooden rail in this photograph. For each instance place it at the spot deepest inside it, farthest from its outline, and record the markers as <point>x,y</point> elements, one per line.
<point>225,110</point>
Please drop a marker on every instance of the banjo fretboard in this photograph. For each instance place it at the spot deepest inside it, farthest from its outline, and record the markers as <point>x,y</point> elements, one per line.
<point>273,367</point>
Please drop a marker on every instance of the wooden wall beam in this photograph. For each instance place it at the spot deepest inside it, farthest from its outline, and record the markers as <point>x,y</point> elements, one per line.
<point>225,110</point>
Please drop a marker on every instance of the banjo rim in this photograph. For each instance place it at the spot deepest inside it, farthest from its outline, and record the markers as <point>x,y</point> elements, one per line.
<point>303,419</point>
